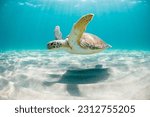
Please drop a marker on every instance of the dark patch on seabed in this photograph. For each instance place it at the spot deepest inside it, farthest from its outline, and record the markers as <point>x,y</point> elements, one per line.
<point>81,76</point>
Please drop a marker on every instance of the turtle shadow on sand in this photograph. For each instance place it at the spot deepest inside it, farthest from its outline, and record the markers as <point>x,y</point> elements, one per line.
<point>81,76</point>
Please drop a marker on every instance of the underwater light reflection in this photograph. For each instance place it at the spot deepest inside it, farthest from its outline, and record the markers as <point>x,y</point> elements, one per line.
<point>90,5</point>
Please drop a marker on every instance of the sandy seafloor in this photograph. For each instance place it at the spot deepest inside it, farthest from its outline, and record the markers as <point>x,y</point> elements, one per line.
<point>112,74</point>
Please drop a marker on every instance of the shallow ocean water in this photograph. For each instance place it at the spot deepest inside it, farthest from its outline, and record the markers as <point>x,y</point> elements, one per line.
<point>112,74</point>
<point>29,71</point>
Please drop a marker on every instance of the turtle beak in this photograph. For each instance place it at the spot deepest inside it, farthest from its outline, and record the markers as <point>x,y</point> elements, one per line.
<point>48,46</point>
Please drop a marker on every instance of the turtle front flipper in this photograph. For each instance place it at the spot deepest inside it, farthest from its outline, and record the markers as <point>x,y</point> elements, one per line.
<point>77,30</point>
<point>58,34</point>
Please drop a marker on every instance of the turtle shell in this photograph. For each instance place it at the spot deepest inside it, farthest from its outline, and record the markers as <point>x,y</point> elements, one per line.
<point>91,41</point>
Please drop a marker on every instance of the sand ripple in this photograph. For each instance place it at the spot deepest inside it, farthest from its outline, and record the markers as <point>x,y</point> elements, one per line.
<point>112,74</point>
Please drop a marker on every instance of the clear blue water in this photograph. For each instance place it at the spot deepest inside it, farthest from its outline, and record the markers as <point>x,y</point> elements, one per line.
<point>29,71</point>
<point>29,24</point>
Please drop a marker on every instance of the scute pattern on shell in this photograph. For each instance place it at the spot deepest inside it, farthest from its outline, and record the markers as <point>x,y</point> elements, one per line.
<point>91,41</point>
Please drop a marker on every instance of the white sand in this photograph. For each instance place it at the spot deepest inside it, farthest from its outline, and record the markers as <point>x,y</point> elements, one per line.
<point>112,74</point>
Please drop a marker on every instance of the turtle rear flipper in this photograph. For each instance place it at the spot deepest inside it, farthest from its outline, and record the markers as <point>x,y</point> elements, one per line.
<point>58,34</point>
<point>78,28</point>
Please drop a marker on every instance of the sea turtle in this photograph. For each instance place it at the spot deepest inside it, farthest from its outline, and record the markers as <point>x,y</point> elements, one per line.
<point>78,42</point>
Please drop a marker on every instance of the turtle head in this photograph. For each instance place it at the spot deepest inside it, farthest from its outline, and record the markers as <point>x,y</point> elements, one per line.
<point>54,45</point>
